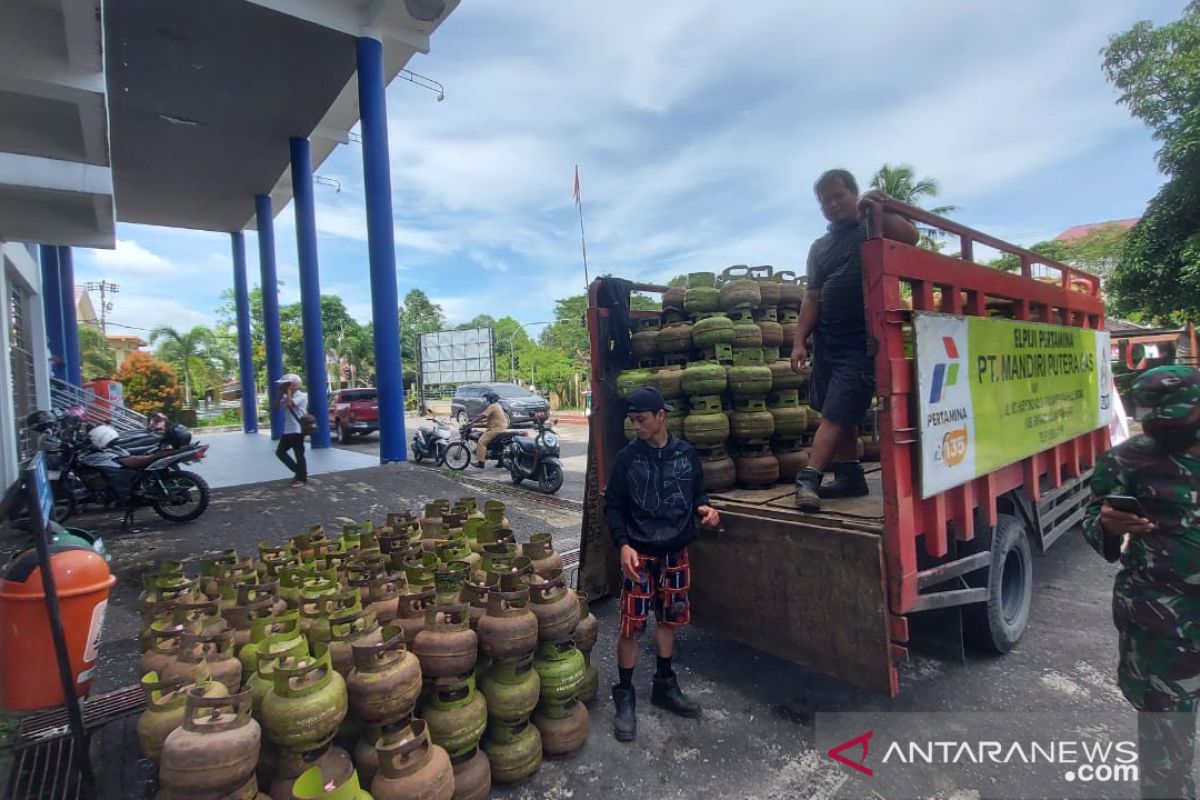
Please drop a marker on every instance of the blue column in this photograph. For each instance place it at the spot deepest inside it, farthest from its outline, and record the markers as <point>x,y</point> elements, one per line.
<point>52,306</point>
<point>66,275</point>
<point>241,301</point>
<point>381,247</point>
<point>316,379</point>
<point>265,222</point>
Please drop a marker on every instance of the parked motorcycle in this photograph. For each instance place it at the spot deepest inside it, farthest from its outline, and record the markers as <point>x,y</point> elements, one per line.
<point>536,458</point>
<point>460,453</point>
<point>431,441</point>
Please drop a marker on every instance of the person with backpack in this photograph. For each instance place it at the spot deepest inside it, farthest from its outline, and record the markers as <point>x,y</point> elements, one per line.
<point>295,404</point>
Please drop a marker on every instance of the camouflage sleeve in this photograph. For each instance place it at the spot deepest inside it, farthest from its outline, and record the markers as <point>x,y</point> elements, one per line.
<point>1106,480</point>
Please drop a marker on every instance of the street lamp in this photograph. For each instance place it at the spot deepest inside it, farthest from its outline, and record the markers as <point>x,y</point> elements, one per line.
<point>512,356</point>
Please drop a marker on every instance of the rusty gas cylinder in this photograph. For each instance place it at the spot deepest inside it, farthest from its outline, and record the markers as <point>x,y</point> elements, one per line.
<point>447,646</point>
<point>514,751</point>
<point>412,767</point>
<point>306,703</point>
<point>720,474</point>
<point>386,680</point>
<point>214,751</point>
<point>216,650</point>
<point>472,775</point>
<point>563,727</point>
<point>332,764</point>
<point>347,630</point>
<point>166,702</point>
<point>509,629</point>
<point>757,470</point>
<point>512,688</point>
<point>410,611</point>
<point>540,550</point>
<point>555,606</point>
<point>585,632</point>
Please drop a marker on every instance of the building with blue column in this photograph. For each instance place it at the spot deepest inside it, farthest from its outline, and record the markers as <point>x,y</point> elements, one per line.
<point>137,83</point>
<point>241,302</point>
<point>264,219</point>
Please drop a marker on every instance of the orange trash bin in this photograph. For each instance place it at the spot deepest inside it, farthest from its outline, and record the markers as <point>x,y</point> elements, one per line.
<point>29,676</point>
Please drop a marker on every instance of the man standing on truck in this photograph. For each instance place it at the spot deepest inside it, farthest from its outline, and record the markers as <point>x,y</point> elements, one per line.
<point>833,313</point>
<point>654,495</point>
<point>496,421</point>
<point>1155,479</point>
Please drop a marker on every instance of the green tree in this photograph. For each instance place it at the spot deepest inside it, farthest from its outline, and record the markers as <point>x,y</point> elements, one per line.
<point>198,354</point>
<point>1157,72</point>
<point>418,314</point>
<point>95,353</point>
<point>1053,249</point>
<point>901,182</point>
<point>150,385</point>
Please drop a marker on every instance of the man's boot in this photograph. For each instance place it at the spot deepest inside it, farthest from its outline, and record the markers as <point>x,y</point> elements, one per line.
<point>625,723</point>
<point>849,480</point>
<point>808,489</point>
<point>666,694</point>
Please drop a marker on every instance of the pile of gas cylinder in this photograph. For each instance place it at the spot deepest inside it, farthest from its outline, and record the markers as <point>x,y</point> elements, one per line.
<point>426,657</point>
<point>720,354</point>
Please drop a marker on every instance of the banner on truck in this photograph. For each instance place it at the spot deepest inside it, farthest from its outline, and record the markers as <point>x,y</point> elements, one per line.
<point>994,391</point>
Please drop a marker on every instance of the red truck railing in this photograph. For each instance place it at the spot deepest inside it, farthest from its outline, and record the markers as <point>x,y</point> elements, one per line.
<point>936,282</point>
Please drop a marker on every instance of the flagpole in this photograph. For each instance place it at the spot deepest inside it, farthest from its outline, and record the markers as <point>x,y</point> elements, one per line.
<point>582,238</point>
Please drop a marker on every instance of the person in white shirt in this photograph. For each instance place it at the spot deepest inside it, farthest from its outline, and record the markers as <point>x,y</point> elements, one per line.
<point>295,405</point>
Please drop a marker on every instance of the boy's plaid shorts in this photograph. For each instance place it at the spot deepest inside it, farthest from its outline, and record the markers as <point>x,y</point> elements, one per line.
<point>663,585</point>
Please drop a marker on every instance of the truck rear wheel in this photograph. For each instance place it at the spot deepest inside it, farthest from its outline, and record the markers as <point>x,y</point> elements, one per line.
<point>997,624</point>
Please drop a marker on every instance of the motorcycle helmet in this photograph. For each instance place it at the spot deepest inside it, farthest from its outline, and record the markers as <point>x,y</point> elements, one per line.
<point>177,436</point>
<point>102,436</point>
<point>491,397</point>
<point>40,421</point>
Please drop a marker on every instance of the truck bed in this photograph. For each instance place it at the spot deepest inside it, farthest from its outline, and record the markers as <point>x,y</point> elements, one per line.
<point>858,513</point>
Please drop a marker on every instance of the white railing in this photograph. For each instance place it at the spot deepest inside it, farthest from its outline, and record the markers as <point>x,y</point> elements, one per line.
<point>96,409</point>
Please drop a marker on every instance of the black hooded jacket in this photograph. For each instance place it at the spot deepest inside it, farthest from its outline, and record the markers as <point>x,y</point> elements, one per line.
<point>652,496</point>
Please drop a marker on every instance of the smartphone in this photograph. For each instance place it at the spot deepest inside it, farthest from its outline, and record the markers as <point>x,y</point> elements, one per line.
<point>1130,505</point>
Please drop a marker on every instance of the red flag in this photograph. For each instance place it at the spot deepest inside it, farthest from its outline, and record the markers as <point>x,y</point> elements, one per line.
<point>575,191</point>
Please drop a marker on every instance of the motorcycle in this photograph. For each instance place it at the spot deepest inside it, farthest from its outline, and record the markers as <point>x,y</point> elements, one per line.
<point>113,476</point>
<point>460,453</point>
<point>536,458</point>
<point>431,442</point>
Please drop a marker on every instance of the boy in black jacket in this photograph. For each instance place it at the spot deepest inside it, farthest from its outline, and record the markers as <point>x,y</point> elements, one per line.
<point>655,492</point>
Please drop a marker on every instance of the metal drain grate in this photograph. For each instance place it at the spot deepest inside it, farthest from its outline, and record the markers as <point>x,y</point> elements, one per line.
<point>45,763</point>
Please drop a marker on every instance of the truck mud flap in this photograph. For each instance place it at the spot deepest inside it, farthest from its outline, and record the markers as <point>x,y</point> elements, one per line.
<point>808,594</point>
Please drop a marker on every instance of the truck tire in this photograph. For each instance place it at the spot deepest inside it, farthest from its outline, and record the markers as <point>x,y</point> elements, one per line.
<point>997,624</point>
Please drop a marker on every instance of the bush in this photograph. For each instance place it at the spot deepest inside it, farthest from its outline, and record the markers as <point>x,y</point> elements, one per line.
<point>150,385</point>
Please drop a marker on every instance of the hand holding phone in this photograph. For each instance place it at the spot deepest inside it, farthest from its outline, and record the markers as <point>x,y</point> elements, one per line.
<point>1122,514</point>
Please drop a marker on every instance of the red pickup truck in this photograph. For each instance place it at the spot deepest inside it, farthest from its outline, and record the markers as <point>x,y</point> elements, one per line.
<point>353,411</point>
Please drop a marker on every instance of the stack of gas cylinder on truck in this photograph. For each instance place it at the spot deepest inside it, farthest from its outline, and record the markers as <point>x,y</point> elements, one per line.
<point>720,352</point>
<point>427,657</point>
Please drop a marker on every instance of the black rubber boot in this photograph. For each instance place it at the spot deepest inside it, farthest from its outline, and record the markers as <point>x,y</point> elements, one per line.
<point>666,694</point>
<point>849,480</point>
<point>625,723</point>
<point>808,490</point>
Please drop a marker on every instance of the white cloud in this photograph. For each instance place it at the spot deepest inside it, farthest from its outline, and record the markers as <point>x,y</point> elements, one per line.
<point>131,257</point>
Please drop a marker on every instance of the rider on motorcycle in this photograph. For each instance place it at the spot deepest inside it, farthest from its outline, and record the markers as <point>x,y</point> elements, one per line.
<point>497,422</point>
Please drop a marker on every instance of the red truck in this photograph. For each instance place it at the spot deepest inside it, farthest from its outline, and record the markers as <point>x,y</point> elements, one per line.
<point>992,394</point>
<point>353,411</point>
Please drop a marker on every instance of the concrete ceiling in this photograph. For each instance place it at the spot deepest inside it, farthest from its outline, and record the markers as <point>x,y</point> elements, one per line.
<point>203,98</point>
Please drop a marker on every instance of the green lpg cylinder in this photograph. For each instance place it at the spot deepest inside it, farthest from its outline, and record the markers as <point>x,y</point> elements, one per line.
<point>306,704</point>
<point>702,294</point>
<point>631,380</point>
<point>706,428</point>
<point>644,344</point>
<point>512,689</point>
<point>561,668</point>
<point>768,286</point>
<point>738,291</point>
<point>514,751</point>
<point>782,376</point>
<point>751,421</point>
<point>748,375</point>
<point>456,714</point>
<point>668,381</point>
<point>712,331</point>
<point>791,421</point>
<point>704,378</point>
<point>747,334</point>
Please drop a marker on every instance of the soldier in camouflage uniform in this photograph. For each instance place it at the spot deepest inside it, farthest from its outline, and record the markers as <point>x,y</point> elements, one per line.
<point>1156,597</point>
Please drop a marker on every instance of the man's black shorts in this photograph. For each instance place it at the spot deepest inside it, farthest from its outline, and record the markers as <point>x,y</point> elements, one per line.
<point>843,383</point>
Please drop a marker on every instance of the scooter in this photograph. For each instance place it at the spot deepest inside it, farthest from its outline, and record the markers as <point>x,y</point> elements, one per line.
<point>432,442</point>
<point>536,458</point>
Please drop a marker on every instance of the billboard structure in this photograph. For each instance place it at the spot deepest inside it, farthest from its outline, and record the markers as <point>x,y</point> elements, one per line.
<point>454,357</point>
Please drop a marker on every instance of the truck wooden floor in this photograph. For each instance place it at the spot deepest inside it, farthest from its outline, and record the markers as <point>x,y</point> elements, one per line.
<point>862,513</point>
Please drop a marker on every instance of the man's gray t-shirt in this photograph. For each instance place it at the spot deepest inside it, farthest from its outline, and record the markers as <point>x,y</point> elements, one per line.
<point>835,270</point>
<point>291,416</point>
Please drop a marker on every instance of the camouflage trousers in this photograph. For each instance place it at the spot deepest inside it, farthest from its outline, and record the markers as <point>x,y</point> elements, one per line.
<point>1161,677</point>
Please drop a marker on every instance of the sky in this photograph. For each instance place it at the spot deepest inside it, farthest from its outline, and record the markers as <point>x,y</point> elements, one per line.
<point>698,128</point>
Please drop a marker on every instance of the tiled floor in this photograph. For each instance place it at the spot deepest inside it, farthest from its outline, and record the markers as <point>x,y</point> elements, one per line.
<point>238,459</point>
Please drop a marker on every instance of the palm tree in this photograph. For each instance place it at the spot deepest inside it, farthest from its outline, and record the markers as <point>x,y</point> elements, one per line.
<point>901,182</point>
<point>195,353</point>
<point>95,353</point>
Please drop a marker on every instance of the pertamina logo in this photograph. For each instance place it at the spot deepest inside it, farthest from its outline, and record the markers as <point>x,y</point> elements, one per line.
<point>861,741</point>
<point>944,373</point>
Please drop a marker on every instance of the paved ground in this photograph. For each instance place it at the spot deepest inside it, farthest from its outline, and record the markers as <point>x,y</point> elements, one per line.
<point>239,459</point>
<point>756,739</point>
<point>572,437</point>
